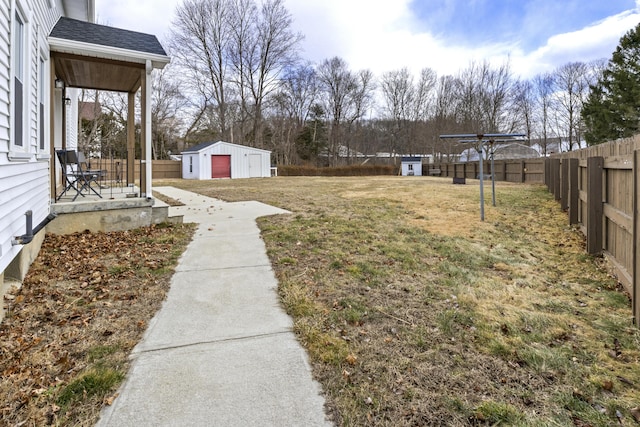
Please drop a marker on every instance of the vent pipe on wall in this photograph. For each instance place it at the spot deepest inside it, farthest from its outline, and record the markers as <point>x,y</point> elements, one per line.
<point>30,231</point>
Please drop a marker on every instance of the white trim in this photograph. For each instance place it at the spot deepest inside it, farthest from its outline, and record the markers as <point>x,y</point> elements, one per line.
<point>148,94</point>
<point>20,69</point>
<point>24,10</point>
<point>107,52</point>
<point>44,80</point>
<point>19,156</point>
<point>230,144</point>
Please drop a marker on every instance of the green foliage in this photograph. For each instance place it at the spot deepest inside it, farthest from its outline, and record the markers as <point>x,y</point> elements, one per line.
<point>498,413</point>
<point>312,139</point>
<point>97,382</point>
<point>613,108</point>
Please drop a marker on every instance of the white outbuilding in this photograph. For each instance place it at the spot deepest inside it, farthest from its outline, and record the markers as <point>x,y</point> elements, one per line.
<point>411,166</point>
<point>225,160</point>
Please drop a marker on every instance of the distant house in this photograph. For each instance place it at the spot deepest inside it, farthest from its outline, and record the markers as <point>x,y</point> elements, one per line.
<point>225,160</point>
<point>89,110</point>
<point>411,166</point>
<point>501,152</point>
<point>50,50</point>
<point>515,151</point>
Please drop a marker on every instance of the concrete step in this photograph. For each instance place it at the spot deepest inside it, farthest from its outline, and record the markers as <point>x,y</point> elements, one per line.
<point>160,214</point>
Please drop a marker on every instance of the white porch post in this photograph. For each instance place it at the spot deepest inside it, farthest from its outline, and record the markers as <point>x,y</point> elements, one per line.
<point>146,187</point>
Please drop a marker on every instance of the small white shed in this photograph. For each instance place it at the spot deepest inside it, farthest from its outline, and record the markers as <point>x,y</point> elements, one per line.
<point>411,166</point>
<point>225,160</point>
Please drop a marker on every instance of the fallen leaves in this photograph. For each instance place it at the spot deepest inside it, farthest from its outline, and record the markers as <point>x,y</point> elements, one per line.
<point>76,308</point>
<point>351,359</point>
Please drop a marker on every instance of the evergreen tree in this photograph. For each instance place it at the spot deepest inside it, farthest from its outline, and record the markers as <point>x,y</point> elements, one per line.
<point>612,110</point>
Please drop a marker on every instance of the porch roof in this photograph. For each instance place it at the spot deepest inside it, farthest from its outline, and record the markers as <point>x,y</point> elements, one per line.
<point>94,56</point>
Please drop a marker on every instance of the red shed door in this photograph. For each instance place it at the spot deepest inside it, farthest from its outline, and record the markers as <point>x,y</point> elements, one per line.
<point>220,166</point>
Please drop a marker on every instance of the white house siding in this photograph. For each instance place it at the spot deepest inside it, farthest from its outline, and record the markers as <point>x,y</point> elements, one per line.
<point>16,200</point>
<point>4,75</point>
<point>32,89</point>
<point>24,184</point>
<point>72,119</point>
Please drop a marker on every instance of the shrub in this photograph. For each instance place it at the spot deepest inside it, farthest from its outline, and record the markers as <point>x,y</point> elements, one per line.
<point>353,170</point>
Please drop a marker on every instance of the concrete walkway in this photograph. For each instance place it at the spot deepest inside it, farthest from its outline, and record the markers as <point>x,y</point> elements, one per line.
<point>221,351</point>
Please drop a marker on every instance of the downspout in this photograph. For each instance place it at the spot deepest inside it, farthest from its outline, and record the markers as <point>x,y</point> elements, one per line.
<point>28,236</point>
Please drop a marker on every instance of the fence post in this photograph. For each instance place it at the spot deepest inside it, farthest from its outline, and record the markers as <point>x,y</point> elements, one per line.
<point>595,166</point>
<point>564,181</point>
<point>523,172</point>
<point>547,173</point>
<point>635,292</point>
<point>574,190</point>
<point>555,177</point>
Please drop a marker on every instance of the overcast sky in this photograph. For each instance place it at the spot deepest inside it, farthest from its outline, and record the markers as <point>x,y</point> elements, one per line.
<point>445,35</point>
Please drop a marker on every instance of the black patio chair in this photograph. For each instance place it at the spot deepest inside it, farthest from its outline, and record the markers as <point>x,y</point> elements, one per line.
<point>78,177</point>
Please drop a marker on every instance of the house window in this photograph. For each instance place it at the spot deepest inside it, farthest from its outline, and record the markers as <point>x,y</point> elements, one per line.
<point>41,95</point>
<point>19,72</point>
<point>410,167</point>
<point>190,164</point>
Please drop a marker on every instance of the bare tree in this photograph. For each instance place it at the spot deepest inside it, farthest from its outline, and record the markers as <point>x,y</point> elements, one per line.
<point>90,121</point>
<point>199,43</point>
<point>406,105</point>
<point>263,46</point>
<point>363,101</point>
<point>167,102</point>
<point>543,99</point>
<point>337,85</point>
<point>496,91</point>
<point>292,106</point>
<point>444,116</point>
<point>398,95</point>
<point>524,105</point>
<point>347,97</point>
<point>484,96</point>
<point>277,49</point>
<point>241,50</point>
<point>232,54</point>
<point>570,87</point>
<point>469,104</point>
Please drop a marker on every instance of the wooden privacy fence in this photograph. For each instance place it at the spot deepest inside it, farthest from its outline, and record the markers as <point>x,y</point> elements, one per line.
<point>525,170</point>
<point>600,188</point>
<point>160,169</point>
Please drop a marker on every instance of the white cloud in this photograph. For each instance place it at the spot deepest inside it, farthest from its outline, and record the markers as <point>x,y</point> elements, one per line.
<point>383,35</point>
<point>593,42</point>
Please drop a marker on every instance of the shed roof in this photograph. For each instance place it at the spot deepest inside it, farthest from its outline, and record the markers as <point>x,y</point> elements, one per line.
<point>200,147</point>
<point>411,159</point>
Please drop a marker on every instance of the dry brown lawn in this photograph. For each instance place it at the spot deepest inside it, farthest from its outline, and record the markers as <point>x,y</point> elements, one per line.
<point>413,311</point>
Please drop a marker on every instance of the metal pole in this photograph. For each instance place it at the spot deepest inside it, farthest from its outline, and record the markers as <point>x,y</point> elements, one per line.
<point>481,151</point>
<point>481,180</point>
<point>493,176</point>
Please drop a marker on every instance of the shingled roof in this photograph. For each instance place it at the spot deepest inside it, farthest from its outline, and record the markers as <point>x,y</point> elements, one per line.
<point>87,32</point>
<point>199,147</point>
